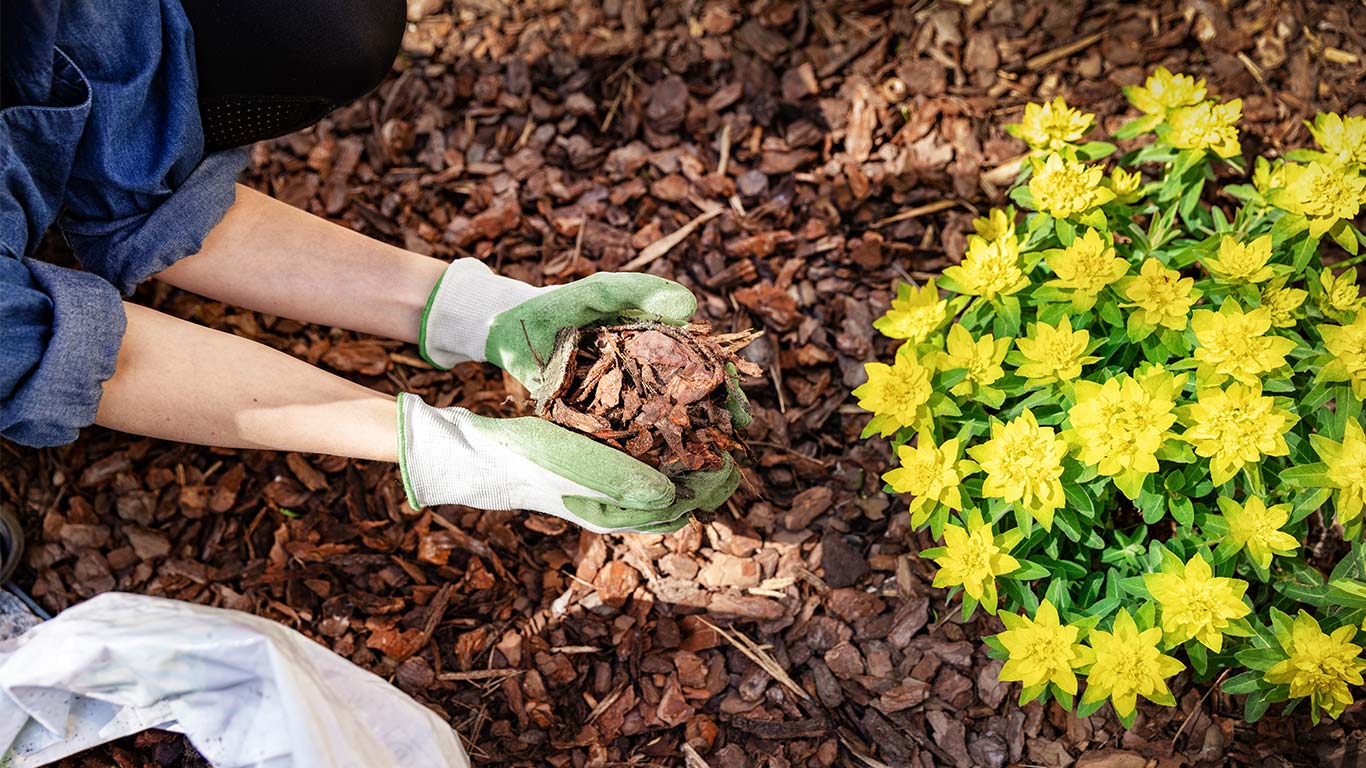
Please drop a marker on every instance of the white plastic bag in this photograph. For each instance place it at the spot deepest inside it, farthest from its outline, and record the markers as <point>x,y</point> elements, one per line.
<point>246,692</point>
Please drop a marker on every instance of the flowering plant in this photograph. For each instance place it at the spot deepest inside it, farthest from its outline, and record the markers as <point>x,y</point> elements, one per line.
<point>1134,421</point>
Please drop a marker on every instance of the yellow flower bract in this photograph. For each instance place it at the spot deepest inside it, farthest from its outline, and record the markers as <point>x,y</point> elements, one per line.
<point>1052,126</point>
<point>1196,604</point>
<point>1319,666</point>
<point>1283,303</point>
<point>897,394</point>
<point>973,559</point>
<point>1234,344</point>
<point>1257,528</point>
<point>1042,650</point>
<point>1063,188</point>
<point>1343,139</point>
<point>1161,297</point>
<point>1085,268</point>
<point>1242,263</point>
<point>930,474</point>
<point>1347,345</point>
<point>1323,194</point>
<point>1023,463</point>
<point>980,358</point>
<point>1122,423</point>
<point>1207,126</point>
<point>990,268</point>
<point>1346,463</point>
<point>1234,427</point>
<point>1127,665</point>
<point>916,313</point>
<point>1053,353</point>
<point>1164,91</point>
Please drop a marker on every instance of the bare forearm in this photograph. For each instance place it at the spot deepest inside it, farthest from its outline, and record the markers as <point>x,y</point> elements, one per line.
<point>268,256</point>
<point>180,381</point>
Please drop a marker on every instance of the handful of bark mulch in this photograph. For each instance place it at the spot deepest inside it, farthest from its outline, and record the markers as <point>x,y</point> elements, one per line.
<point>658,392</point>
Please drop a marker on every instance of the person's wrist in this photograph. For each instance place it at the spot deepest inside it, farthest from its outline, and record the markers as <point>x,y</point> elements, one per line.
<point>460,310</point>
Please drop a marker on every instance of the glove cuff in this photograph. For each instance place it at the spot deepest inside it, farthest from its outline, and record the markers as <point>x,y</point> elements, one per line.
<point>454,464</point>
<point>461,309</point>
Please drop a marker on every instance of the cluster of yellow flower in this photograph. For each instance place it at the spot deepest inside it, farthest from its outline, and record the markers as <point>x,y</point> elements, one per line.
<point>1082,352</point>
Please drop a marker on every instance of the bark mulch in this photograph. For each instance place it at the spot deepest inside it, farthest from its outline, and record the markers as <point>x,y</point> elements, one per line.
<point>788,161</point>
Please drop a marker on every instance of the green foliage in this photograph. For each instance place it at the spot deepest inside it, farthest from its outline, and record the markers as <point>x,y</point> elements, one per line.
<point>1137,403</point>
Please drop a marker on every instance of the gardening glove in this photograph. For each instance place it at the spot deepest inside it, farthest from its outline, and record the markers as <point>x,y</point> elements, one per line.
<point>452,456</point>
<point>473,314</point>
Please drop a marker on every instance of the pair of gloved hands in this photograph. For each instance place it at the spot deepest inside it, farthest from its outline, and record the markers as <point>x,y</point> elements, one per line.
<point>453,456</point>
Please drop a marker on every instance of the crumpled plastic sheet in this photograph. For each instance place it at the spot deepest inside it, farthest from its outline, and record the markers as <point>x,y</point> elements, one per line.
<point>247,692</point>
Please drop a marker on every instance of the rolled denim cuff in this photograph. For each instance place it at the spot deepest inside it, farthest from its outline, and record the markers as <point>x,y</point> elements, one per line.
<point>129,250</point>
<point>62,393</point>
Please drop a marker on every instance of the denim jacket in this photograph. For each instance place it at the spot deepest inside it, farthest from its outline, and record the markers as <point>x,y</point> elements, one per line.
<point>100,134</point>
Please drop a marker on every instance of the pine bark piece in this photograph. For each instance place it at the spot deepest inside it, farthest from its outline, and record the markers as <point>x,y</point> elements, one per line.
<point>652,390</point>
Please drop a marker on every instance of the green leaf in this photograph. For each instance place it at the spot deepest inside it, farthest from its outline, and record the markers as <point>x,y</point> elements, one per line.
<point>1246,682</point>
<point>1137,127</point>
<point>1183,511</point>
<point>1343,235</point>
<point>1028,571</point>
<point>1095,150</point>
<point>1306,476</point>
<point>1198,658</point>
<point>1067,231</point>
<point>1255,706</point>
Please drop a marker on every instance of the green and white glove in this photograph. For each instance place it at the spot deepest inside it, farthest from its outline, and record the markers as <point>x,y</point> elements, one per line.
<point>474,314</point>
<point>452,456</point>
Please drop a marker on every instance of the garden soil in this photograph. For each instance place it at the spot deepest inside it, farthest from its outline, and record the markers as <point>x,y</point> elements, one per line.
<point>789,162</point>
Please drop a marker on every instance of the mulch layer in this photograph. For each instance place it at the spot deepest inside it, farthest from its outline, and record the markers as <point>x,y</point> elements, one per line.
<point>789,162</point>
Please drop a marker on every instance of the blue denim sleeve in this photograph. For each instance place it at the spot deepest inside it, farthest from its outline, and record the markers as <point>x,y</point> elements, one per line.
<point>60,329</point>
<point>142,194</point>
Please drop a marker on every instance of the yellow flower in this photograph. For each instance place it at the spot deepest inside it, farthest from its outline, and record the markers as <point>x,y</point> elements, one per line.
<point>931,475</point>
<point>1063,188</point>
<point>1121,424</point>
<point>1085,267</point>
<point>915,314</point>
<point>1343,139</point>
<point>1267,176</point>
<point>1052,126</point>
<point>996,225</point>
<point>1346,470</point>
<point>1195,603</point>
<point>1053,352</point>
<point>1233,343</point>
<point>1257,528</point>
<point>1321,193</point>
<point>972,558</point>
<point>1164,91</point>
<point>897,394</point>
<point>1128,665</point>
<point>1238,263</point>
<point>981,359</point>
<point>1023,462</point>
<point>991,268</point>
<point>1042,650</point>
<point>1347,345</point>
<point>1340,298</point>
<point>1319,665</point>
<point>1161,297</point>
<point>1282,302</point>
<point>1207,126</point>
<point>1125,185</point>
<point>1235,426</point>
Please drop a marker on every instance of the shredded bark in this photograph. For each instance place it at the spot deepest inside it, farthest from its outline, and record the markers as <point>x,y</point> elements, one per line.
<point>656,391</point>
